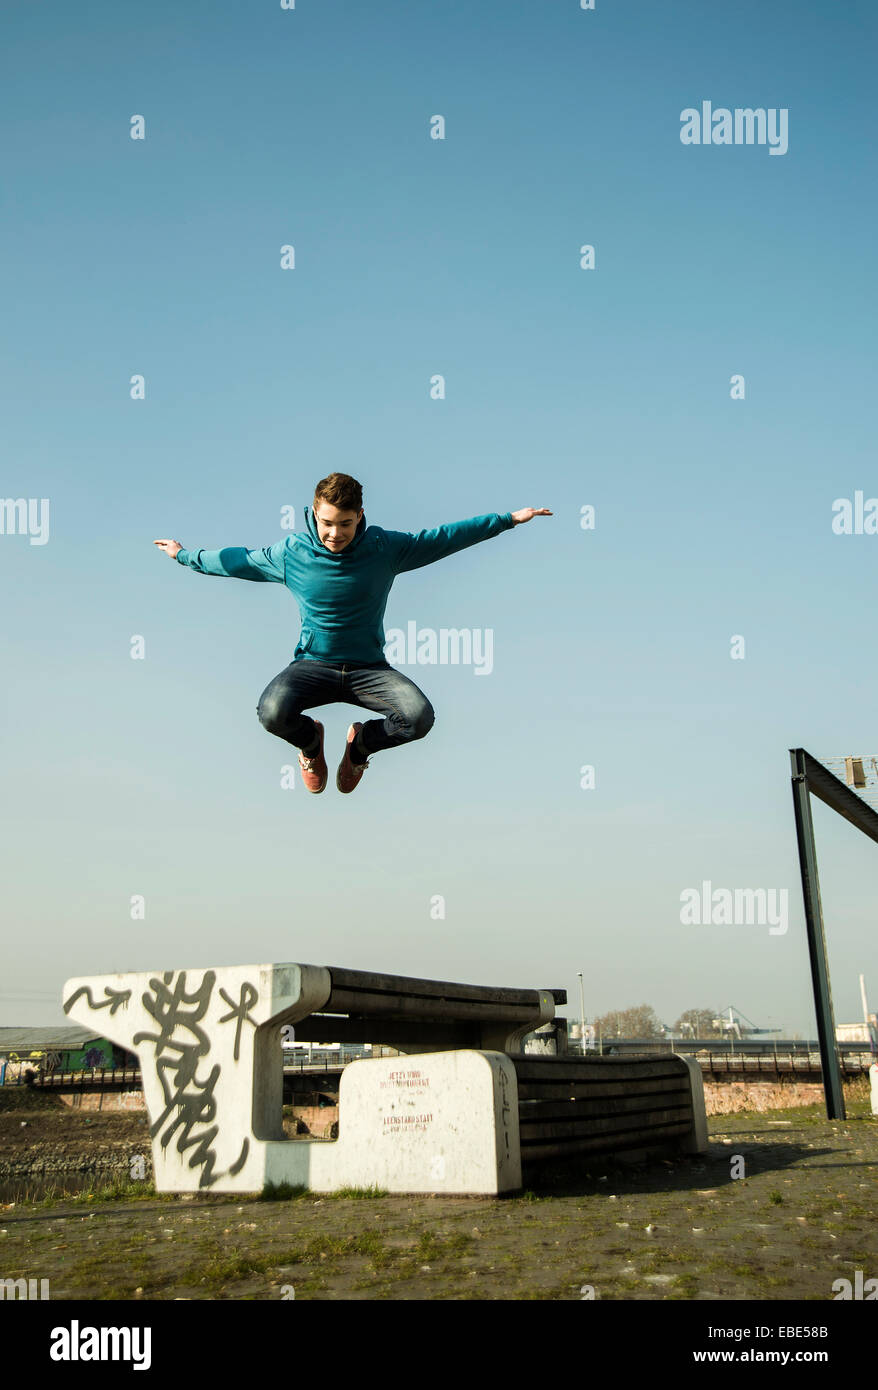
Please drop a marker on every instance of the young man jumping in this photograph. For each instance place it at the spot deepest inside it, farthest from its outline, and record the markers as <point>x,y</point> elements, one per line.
<point>340,572</point>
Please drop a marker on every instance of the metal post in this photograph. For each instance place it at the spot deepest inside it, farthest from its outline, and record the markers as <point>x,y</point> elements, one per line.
<point>582,1014</point>
<point>832,1083</point>
<point>871,1034</point>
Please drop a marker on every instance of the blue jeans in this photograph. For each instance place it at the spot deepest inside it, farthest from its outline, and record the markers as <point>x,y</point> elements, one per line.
<point>407,713</point>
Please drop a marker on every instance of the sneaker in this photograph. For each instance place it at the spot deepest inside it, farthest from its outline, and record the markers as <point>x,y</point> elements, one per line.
<point>349,773</point>
<point>314,770</point>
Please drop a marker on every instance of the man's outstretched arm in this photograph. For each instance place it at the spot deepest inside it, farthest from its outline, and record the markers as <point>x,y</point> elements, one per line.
<point>234,562</point>
<point>410,552</point>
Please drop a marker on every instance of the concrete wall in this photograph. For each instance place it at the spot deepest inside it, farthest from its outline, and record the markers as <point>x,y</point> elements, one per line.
<point>102,1100</point>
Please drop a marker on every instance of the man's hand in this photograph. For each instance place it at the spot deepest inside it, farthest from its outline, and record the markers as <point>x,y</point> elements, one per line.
<point>169,547</point>
<point>525,514</point>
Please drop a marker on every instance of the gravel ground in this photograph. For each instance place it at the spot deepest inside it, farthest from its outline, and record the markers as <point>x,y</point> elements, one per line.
<point>801,1215</point>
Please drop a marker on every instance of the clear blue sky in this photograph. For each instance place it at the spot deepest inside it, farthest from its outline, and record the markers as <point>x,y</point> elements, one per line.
<point>310,127</point>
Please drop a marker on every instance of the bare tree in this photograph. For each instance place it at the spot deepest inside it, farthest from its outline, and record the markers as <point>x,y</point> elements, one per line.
<point>638,1022</point>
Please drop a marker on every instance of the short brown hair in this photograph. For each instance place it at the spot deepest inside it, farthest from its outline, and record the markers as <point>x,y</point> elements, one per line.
<point>339,490</point>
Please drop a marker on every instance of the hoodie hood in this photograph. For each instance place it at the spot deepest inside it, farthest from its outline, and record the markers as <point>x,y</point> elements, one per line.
<point>311,524</point>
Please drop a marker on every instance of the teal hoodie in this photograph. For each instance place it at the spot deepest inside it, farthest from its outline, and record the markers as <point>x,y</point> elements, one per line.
<point>342,595</point>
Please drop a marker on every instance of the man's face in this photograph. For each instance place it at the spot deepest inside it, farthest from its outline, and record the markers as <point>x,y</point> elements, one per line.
<point>335,528</point>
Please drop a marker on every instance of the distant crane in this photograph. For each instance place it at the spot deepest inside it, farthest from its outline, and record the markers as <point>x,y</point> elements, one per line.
<point>738,1025</point>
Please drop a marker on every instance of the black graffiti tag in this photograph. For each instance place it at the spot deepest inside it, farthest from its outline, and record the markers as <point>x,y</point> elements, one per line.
<point>176,1062</point>
<point>240,1011</point>
<point>115,998</point>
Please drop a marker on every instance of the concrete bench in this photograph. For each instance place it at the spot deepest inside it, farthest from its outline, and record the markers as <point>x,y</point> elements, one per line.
<point>415,1015</point>
<point>635,1107</point>
<point>444,1117</point>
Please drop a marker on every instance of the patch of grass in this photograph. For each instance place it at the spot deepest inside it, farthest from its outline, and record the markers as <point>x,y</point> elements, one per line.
<point>92,1267</point>
<point>99,1189</point>
<point>282,1192</point>
<point>673,1256</point>
<point>861,1259</point>
<point>365,1243</point>
<point>358,1192</point>
<point>223,1268</point>
<point>431,1246</point>
<point>289,1192</point>
<point>399,1262</point>
<point>718,1265</point>
<point>684,1286</point>
<point>119,1189</point>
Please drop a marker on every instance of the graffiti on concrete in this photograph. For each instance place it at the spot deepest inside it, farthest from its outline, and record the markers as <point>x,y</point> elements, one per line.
<point>115,998</point>
<point>181,1045</point>
<point>240,1011</point>
<point>181,1048</point>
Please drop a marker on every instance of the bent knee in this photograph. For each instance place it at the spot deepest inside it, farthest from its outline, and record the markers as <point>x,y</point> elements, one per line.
<point>423,721</point>
<point>269,715</point>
